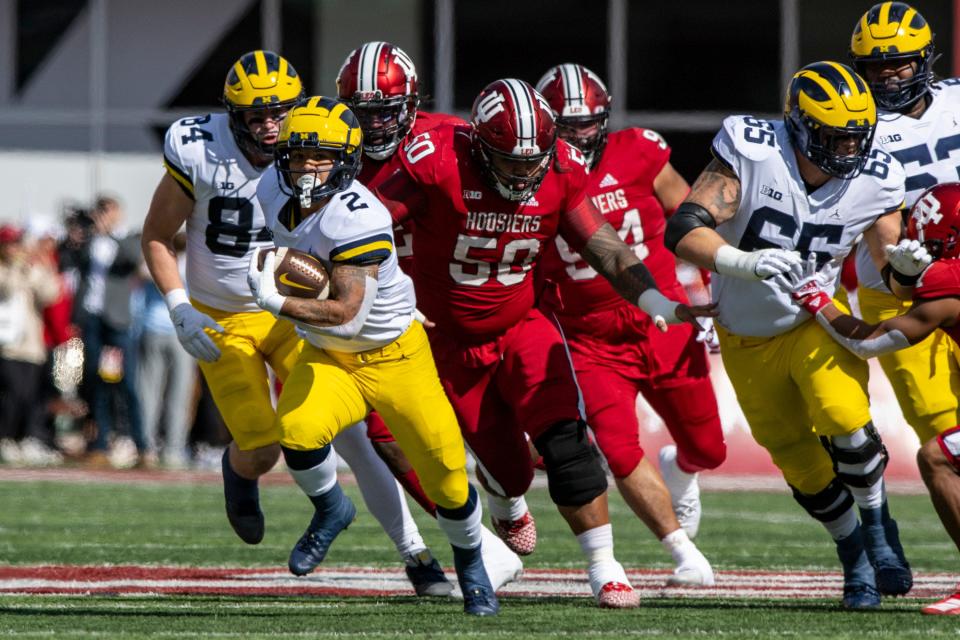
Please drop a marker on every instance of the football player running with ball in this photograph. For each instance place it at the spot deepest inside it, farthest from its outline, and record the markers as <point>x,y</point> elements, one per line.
<point>378,81</point>
<point>214,164</point>
<point>776,188</point>
<point>485,200</point>
<point>932,234</point>
<point>363,347</point>
<point>617,351</point>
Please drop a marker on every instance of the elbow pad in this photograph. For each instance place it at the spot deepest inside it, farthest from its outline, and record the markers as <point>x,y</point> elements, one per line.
<point>352,327</point>
<point>871,347</point>
<point>688,217</point>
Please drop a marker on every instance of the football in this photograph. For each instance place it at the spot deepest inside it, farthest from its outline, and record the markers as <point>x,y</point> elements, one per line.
<point>299,274</point>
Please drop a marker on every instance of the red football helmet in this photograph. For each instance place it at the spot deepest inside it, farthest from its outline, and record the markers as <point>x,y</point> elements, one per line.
<point>935,220</point>
<point>379,83</point>
<point>581,106</point>
<point>514,137</point>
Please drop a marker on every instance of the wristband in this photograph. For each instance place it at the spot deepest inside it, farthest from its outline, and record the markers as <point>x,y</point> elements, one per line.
<point>176,297</point>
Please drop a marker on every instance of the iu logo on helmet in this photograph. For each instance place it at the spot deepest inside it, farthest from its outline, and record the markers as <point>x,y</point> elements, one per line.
<point>927,210</point>
<point>490,106</point>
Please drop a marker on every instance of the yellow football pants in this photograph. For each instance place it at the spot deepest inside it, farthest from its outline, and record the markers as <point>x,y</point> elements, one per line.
<point>239,382</point>
<point>925,377</point>
<point>327,391</point>
<point>794,388</point>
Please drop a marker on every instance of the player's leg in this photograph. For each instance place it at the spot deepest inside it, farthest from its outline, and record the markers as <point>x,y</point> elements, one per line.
<point>504,467</point>
<point>939,462</point>
<point>834,386</point>
<point>386,501</point>
<point>536,379</point>
<point>239,386</point>
<point>679,390</point>
<point>387,448</point>
<point>401,383</point>
<point>759,370</point>
<point>610,402</point>
<point>318,401</point>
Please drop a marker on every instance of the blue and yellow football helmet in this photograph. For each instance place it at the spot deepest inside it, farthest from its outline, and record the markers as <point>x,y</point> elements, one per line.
<point>831,118</point>
<point>324,124</point>
<point>259,80</point>
<point>894,31</point>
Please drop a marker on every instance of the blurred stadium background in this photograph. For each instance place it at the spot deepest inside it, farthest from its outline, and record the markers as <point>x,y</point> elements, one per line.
<point>87,87</point>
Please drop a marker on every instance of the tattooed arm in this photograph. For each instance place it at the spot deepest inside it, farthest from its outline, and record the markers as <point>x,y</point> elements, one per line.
<point>713,200</point>
<point>586,230</point>
<point>353,290</point>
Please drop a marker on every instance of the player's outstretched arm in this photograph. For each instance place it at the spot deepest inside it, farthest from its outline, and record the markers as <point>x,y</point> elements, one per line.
<point>863,339</point>
<point>353,290</point>
<point>610,256</point>
<point>691,231</point>
<point>901,268</point>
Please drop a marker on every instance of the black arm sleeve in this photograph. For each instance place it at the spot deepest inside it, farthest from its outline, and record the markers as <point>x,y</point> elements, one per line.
<point>685,219</point>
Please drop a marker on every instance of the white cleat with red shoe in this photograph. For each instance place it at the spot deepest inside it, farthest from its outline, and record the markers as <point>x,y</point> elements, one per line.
<point>611,587</point>
<point>519,535</point>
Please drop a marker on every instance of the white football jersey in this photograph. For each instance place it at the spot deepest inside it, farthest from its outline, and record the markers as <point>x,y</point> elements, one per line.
<point>354,227</point>
<point>776,212</point>
<point>227,223</point>
<point>928,147</point>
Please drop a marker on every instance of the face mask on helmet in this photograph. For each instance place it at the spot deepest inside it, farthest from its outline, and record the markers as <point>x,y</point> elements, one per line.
<point>895,94</point>
<point>587,133</point>
<point>385,124</point>
<point>515,178</point>
<point>240,123</point>
<point>332,171</point>
<point>840,152</point>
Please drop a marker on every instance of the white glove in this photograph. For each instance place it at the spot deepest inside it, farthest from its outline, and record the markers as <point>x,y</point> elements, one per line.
<point>190,324</point>
<point>708,335</point>
<point>755,265</point>
<point>908,257</point>
<point>262,283</point>
<point>807,286</point>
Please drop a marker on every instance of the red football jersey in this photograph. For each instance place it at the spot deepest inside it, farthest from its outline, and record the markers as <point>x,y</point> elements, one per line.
<point>941,280</point>
<point>373,172</point>
<point>621,187</point>
<point>476,249</point>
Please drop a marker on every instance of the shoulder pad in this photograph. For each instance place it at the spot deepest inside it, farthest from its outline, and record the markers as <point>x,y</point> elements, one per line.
<point>940,280</point>
<point>752,138</point>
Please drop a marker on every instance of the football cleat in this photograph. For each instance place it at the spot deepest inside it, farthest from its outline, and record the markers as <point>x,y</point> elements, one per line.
<point>426,575</point>
<point>882,543</point>
<point>693,571</point>
<point>949,606</point>
<point>313,545</point>
<point>519,535</point>
<point>479,598</point>
<point>503,565</point>
<point>859,578</point>
<point>242,504</point>
<point>684,491</point>
<point>617,595</point>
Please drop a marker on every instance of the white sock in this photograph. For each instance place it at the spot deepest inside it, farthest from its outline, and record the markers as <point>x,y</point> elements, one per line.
<point>843,526</point>
<point>677,544</point>
<point>506,508</point>
<point>597,544</point>
<point>463,533</point>
<point>382,494</point>
<point>319,479</point>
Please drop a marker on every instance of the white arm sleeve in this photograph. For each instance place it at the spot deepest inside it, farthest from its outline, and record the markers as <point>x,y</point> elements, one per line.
<point>871,347</point>
<point>351,328</point>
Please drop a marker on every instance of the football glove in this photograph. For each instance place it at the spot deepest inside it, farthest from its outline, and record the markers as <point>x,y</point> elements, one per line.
<point>708,335</point>
<point>908,258</point>
<point>807,286</point>
<point>190,325</point>
<point>262,284</point>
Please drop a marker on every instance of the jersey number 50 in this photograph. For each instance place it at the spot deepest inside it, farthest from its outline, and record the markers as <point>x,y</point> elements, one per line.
<point>475,272</point>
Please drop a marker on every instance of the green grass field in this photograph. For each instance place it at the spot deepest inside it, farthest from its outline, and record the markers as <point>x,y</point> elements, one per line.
<point>82,523</point>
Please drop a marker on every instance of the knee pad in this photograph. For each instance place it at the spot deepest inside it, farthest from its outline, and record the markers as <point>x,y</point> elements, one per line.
<point>828,504</point>
<point>949,442</point>
<point>575,476</point>
<point>859,466</point>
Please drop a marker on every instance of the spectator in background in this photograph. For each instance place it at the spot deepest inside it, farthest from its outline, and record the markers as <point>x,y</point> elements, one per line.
<point>28,283</point>
<point>167,373</point>
<point>109,360</point>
